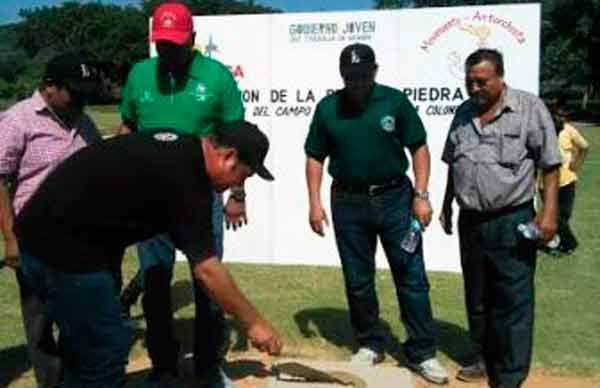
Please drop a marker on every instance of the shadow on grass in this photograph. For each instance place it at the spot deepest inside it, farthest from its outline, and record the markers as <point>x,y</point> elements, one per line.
<point>454,341</point>
<point>334,326</point>
<point>235,370</point>
<point>14,362</point>
<point>235,337</point>
<point>235,340</point>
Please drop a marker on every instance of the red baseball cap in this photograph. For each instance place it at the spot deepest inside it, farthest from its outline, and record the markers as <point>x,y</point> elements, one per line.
<point>172,22</point>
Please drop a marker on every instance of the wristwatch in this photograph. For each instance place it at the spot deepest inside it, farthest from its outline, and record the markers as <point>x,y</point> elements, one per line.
<point>238,194</point>
<point>424,195</point>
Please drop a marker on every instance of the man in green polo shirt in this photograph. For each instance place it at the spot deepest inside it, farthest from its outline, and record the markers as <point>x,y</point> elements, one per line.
<point>191,94</point>
<point>364,129</point>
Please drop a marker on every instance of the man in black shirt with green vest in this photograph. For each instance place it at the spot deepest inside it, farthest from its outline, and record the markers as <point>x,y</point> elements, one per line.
<point>364,129</point>
<point>74,230</point>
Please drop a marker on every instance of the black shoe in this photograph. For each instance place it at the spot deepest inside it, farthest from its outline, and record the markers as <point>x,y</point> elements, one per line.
<point>214,378</point>
<point>472,372</point>
<point>163,379</point>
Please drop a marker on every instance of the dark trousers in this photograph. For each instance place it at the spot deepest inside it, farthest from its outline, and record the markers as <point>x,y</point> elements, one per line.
<point>566,200</point>
<point>157,256</point>
<point>498,269</point>
<point>209,324</point>
<point>358,221</point>
<point>94,342</point>
<point>41,345</point>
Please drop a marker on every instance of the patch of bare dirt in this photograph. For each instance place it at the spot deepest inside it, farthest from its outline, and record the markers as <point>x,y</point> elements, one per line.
<point>249,370</point>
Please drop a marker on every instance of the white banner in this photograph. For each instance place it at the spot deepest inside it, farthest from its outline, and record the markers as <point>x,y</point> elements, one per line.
<point>285,63</point>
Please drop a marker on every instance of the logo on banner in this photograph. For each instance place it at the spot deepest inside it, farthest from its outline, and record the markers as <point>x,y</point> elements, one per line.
<point>348,31</point>
<point>212,47</point>
<point>480,27</point>
<point>388,123</point>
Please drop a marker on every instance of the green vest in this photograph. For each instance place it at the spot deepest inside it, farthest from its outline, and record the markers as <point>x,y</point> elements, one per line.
<point>207,96</point>
<point>365,148</point>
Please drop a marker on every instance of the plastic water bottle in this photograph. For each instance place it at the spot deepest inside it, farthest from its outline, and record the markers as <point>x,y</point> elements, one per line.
<point>529,230</point>
<point>412,237</point>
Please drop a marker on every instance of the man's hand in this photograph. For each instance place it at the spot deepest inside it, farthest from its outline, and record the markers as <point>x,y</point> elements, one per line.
<point>235,213</point>
<point>446,219</point>
<point>316,218</point>
<point>422,211</point>
<point>11,254</point>
<point>548,226</point>
<point>265,338</point>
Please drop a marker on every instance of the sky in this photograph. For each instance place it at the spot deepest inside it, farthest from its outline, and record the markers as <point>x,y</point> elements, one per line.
<point>9,9</point>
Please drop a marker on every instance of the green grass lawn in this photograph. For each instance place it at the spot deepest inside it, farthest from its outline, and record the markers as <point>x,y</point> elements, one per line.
<point>106,118</point>
<point>308,306</point>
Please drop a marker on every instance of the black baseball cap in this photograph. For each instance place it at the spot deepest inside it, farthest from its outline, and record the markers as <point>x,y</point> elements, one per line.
<point>356,60</point>
<point>75,71</point>
<point>251,144</point>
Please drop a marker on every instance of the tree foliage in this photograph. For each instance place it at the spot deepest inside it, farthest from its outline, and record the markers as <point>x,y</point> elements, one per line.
<point>386,4</point>
<point>109,33</point>
<point>114,36</point>
<point>117,36</point>
<point>214,7</point>
<point>570,41</point>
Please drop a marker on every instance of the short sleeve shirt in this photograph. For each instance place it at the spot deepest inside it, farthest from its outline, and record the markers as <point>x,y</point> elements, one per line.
<point>208,96</point>
<point>118,192</point>
<point>366,147</point>
<point>494,166</point>
<point>570,142</point>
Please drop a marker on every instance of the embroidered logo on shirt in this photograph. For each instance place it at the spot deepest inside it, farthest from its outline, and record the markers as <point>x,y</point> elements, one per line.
<point>201,93</point>
<point>166,136</point>
<point>388,123</point>
<point>146,97</point>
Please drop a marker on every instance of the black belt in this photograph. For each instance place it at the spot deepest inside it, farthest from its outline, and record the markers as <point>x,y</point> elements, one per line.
<point>367,190</point>
<point>496,212</point>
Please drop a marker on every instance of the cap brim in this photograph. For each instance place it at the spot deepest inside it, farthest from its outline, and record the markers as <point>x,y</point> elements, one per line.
<point>177,37</point>
<point>265,174</point>
<point>356,71</point>
<point>86,88</point>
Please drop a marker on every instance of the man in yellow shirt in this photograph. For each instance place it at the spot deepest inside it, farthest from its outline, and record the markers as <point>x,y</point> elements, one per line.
<point>573,150</point>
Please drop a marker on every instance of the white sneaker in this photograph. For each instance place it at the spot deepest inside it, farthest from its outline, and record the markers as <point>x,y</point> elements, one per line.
<point>430,370</point>
<point>220,380</point>
<point>225,380</point>
<point>366,356</point>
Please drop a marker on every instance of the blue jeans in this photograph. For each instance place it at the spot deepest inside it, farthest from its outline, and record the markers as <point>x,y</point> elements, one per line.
<point>41,344</point>
<point>93,341</point>
<point>157,256</point>
<point>358,220</point>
